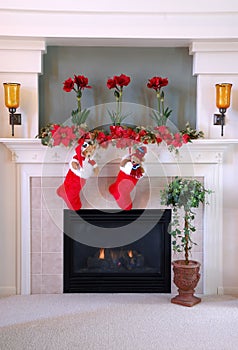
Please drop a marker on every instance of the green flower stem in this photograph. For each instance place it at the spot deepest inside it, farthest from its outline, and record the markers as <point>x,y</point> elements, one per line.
<point>162,105</point>
<point>118,108</point>
<point>120,104</point>
<point>79,104</point>
<point>158,99</point>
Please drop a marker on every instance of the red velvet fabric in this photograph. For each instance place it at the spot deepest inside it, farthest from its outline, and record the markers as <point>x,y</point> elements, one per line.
<point>70,190</point>
<point>121,190</point>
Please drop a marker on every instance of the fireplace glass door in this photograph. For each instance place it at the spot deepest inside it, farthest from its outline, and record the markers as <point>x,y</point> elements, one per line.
<point>117,251</point>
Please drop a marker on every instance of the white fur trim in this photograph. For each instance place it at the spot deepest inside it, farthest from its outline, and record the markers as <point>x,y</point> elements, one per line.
<point>75,171</point>
<point>127,168</point>
<point>86,171</point>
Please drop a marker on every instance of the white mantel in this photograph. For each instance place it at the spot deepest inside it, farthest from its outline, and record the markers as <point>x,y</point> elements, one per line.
<point>203,158</point>
<point>30,150</point>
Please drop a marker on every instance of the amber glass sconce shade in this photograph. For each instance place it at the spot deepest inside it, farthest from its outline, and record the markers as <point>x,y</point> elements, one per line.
<point>12,101</point>
<point>223,98</point>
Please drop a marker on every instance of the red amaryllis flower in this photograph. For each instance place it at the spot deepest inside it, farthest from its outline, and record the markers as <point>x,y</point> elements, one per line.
<point>118,81</point>
<point>64,135</point>
<point>82,82</point>
<point>111,83</point>
<point>157,83</point>
<point>122,80</point>
<point>68,85</point>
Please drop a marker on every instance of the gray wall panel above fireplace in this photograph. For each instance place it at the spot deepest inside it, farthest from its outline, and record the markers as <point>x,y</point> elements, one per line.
<point>101,63</point>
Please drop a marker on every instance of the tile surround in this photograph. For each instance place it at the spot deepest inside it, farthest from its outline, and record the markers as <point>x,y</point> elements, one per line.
<point>47,237</point>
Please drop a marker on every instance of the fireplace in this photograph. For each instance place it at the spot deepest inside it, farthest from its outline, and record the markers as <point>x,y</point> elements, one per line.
<point>40,212</point>
<point>117,251</point>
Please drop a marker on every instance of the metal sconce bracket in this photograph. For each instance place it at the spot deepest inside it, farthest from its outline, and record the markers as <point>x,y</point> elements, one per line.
<point>14,119</point>
<point>219,119</point>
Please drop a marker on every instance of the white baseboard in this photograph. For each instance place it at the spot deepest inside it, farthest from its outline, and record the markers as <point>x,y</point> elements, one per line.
<point>230,290</point>
<point>7,291</point>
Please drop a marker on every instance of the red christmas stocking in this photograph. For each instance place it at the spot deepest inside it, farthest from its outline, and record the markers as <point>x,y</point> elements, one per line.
<point>70,190</point>
<point>121,190</point>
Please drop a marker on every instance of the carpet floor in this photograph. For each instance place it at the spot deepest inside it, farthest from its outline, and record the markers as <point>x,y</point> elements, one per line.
<point>117,322</point>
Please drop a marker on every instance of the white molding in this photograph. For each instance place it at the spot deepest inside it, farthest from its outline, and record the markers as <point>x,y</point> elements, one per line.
<point>214,57</point>
<point>20,44</point>
<point>21,56</point>
<point>230,290</point>
<point>25,220</point>
<point>199,151</point>
<point>169,6</point>
<point>215,63</point>
<point>211,46</point>
<point>116,21</point>
<point>213,231</point>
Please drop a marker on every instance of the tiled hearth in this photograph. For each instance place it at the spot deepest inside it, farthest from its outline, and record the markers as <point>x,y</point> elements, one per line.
<point>40,170</point>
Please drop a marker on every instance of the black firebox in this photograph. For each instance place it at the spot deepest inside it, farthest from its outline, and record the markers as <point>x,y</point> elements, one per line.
<point>117,251</point>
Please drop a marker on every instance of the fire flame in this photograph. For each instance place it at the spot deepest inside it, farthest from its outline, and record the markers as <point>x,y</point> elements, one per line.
<point>102,253</point>
<point>130,254</point>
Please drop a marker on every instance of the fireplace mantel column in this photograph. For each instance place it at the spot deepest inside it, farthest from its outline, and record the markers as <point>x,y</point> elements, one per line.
<point>21,62</point>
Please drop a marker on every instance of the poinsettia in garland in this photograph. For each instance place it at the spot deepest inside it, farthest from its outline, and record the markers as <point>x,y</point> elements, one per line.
<point>123,137</point>
<point>56,134</point>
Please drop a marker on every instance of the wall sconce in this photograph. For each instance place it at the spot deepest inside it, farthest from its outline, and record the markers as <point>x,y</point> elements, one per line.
<point>223,94</point>
<point>12,100</point>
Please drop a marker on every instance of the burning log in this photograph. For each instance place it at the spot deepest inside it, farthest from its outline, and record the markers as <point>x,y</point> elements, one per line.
<point>118,260</point>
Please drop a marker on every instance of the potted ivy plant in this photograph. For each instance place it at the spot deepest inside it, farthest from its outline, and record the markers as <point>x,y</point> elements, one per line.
<point>183,195</point>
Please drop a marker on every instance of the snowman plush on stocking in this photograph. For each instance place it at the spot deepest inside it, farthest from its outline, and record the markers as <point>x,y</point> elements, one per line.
<point>131,170</point>
<point>82,166</point>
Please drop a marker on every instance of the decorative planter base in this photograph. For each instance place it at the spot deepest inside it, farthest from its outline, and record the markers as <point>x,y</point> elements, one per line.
<point>186,278</point>
<point>186,299</point>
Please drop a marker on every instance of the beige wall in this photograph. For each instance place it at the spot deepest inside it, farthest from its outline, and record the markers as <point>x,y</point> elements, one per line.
<point>7,223</point>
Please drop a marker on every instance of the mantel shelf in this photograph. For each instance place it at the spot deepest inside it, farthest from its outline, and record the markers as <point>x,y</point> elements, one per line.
<point>199,151</point>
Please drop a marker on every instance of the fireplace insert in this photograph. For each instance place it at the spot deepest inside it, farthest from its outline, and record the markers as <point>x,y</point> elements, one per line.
<point>117,251</point>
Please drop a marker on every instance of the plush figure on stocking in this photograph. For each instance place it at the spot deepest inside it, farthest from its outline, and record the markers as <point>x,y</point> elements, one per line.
<point>131,170</point>
<point>82,166</point>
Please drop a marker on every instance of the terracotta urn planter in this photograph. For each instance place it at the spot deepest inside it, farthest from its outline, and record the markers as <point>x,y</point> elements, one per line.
<point>186,278</point>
